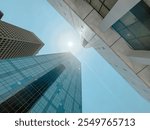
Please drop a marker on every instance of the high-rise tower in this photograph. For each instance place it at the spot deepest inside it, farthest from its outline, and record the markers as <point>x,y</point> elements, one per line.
<point>17,42</point>
<point>46,83</point>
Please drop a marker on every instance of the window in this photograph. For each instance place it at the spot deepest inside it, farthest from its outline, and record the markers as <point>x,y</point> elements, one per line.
<point>134,27</point>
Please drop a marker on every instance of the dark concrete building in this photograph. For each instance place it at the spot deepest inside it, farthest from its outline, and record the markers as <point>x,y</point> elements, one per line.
<point>1,14</point>
<point>17,42</point>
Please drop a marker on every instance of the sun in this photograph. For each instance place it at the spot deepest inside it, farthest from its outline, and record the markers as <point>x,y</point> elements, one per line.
<point>70,44</point>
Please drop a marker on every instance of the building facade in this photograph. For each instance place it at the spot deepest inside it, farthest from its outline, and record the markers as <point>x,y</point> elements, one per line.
<point>119,30</point>
<point>46,83</point>
<point>17,42</point>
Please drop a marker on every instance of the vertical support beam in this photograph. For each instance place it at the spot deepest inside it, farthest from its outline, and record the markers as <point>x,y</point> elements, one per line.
<point>119,9</point>
<point>141,57</point>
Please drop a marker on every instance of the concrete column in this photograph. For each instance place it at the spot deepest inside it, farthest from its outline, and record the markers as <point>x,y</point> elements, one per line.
<point>119,9</point>
<point>141,57</point>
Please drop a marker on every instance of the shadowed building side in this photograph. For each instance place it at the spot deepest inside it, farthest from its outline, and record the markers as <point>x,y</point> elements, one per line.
<point>1,14</point>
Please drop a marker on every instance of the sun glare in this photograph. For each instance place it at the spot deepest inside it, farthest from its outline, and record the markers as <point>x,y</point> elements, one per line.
<point>70,44</point>
<point>69,41</point>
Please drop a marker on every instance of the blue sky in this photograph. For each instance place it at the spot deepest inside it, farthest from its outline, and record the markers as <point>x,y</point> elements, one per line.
<point>104,90</point>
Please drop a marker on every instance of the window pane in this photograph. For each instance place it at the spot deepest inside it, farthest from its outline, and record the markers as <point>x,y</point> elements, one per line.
<point>104,11</point>
<point>110,3</point>
<point>127,34</point>
<point>96,4</point>
<point>128,19</point>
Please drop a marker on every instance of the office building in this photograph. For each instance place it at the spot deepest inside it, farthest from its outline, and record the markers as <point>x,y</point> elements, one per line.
<point>17,42</point>
<point>119,30</point>
<point>45,83</point>
<point>1,14</point>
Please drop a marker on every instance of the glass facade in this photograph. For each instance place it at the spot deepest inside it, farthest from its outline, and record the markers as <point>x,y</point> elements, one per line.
<point>134,27</point>
<point>59,74</point>
<point>27,97</point>
<point>102,6</point>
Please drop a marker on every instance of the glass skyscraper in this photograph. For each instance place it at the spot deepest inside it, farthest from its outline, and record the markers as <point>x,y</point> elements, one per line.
<point>46,83</point>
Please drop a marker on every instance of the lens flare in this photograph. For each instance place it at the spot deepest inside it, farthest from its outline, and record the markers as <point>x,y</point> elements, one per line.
<point>70,44</point>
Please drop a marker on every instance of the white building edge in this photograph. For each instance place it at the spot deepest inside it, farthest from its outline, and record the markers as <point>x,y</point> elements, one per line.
<point>133,65</point>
